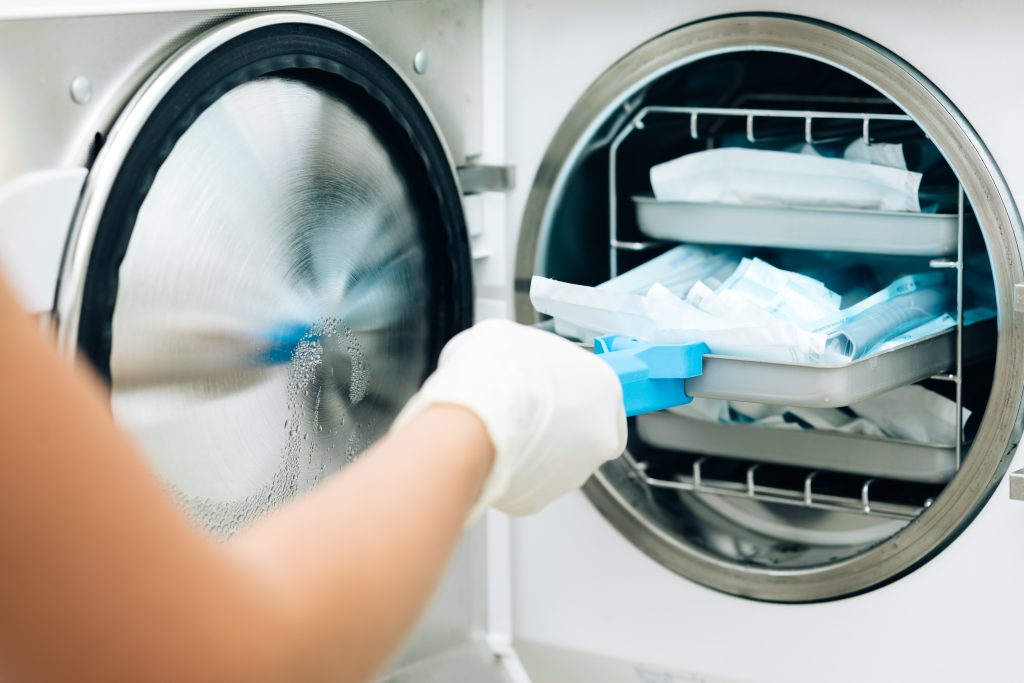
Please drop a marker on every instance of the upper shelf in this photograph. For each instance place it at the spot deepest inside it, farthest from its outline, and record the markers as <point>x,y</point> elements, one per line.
<point>849,230</point>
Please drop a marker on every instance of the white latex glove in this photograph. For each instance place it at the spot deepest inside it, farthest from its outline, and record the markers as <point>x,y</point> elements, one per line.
<point>553,411</point>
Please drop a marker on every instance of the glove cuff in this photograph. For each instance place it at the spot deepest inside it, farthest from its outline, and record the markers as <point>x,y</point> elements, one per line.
<point>499,478</point>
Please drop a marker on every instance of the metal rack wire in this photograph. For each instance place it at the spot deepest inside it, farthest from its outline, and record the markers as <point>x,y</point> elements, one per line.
<point>805,496</point>
<point>637,123</point>
<point>696,482</point>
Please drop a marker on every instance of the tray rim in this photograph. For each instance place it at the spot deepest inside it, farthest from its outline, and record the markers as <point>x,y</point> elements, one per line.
<point>912,215</point>
<point>830,433</point>
<point>834,366</point>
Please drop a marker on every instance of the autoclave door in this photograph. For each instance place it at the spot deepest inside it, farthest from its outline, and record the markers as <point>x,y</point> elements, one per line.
<point>268,254</point>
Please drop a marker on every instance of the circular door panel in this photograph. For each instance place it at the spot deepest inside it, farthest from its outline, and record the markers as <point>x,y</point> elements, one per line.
<point>271,255</point>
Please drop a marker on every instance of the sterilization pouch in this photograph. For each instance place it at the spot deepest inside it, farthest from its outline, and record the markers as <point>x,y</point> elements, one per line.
<point>878,153</point>
<point>677,270</point>
<point>727,304</point>
<point>785,295</point>
<point>661,316</point>
<point>735,175</point>
<point>760,312</point>
<point>913,413</point>
<point>909,303</point>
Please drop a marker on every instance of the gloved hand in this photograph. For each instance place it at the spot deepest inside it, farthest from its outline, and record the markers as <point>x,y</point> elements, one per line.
<point>553,411</point>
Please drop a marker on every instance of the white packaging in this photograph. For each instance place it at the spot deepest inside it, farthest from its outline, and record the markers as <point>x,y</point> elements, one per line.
<point>878,153</point>
<point>786,295</point>
<point>735,175</point>
<point>913,413</point>
<point>676,270</point>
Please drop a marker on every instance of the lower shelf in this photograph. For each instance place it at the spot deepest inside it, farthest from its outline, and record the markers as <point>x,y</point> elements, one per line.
<point>834,451</point>
<point>807,493</point>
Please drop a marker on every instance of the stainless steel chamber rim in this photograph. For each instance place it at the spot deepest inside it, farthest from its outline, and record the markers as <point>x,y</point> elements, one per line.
<point>277,230</point>
<point>1000,428</point>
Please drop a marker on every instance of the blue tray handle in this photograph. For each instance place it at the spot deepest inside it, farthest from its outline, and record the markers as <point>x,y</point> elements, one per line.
<point>653,376</point>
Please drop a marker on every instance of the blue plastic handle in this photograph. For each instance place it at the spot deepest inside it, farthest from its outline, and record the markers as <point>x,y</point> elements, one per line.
<point>279,343</point>
<point>653,376</point>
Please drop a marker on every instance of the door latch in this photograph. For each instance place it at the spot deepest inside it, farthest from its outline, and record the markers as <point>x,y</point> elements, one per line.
<point>1017,485</point>
<point>477,178</point>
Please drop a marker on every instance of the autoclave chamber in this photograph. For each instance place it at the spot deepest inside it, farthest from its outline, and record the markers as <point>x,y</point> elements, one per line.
<point>790,515</point>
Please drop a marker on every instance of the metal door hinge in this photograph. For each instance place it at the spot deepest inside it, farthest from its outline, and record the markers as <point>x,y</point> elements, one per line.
<point>477,178</point>
<point>1017,485</point>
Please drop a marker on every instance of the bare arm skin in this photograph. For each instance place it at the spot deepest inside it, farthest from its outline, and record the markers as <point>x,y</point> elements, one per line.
<point>102,578</point>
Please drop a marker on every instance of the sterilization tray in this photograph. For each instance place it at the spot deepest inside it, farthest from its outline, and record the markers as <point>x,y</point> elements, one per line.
<point>823,386</point>
<point>868,232</point>
<point>814,385</point>
<point>813,449</point>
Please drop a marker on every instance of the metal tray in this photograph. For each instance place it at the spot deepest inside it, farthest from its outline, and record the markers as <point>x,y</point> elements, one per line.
<point>867,232</point>
<point>813,385</point>
<point>823,386</point>
<point>813,449</point>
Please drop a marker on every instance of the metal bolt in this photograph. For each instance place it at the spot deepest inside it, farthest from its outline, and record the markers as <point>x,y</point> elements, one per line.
<point>81,90</point>
<point>419,62</point>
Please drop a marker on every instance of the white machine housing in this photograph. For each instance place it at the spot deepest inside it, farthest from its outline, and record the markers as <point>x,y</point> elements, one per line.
<point>561,596</point>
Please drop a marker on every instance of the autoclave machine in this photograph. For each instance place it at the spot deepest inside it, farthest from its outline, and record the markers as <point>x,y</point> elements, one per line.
<point>214,183</point>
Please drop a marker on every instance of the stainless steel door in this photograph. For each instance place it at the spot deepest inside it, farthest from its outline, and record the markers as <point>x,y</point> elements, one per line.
<point>269,252</point>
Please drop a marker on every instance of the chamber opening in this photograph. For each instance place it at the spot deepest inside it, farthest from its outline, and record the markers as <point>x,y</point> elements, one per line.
<point>718,491</point>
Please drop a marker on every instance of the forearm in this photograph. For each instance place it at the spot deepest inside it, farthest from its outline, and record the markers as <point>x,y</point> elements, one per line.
<point>360,556</point>
<point>103,579</point>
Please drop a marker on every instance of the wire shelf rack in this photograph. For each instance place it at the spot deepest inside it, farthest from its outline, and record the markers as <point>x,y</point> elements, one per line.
<point>694,479</point>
